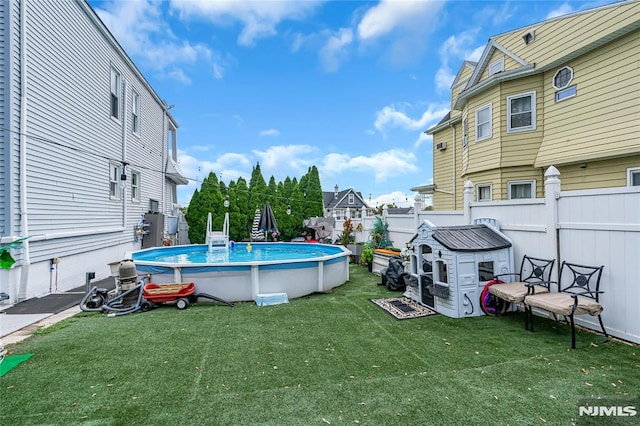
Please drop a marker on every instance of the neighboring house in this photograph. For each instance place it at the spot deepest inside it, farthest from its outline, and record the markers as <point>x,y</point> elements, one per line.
<point>345,203</point>
<point>561,92</point>
<point>87,147</point>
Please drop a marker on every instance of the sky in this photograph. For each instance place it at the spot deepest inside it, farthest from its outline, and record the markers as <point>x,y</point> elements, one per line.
<point>347,86</point>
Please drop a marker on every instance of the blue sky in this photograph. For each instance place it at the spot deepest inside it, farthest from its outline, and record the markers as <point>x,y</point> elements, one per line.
<point>347,86</point>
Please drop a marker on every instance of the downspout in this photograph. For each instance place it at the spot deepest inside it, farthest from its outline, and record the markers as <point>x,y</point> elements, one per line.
<point>453,127</point>
<point>163,165</point>
<point>124,152</point>
<point>21,291</point>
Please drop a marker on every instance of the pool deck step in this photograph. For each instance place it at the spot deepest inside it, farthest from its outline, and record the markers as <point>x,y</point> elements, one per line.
<point>267,299</point>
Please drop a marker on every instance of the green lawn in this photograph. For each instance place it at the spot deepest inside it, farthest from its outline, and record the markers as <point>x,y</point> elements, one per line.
<point>324,359</point>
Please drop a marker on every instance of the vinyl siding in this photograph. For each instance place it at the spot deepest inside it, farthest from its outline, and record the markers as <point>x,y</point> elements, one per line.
<point>443,170</point>
<point>72,137</point>
<point>461,82</point>
<point>4,139</point>
<point>597,174</point>
<point>484,154</point>
<point>521,148</point>
<point>551,41</point>
<point>509,63</point>
<point>607,82</point>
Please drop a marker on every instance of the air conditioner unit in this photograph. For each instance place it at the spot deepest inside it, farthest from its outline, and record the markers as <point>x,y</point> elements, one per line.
<point>441,146</point>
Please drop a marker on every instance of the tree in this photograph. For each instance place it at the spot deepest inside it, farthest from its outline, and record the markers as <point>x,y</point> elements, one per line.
<point>302,198</point>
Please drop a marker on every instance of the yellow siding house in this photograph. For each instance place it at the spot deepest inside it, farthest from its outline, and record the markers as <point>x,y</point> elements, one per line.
<point>562,92</point>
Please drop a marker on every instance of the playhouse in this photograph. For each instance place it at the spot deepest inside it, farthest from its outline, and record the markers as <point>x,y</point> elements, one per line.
<point>450,265</point>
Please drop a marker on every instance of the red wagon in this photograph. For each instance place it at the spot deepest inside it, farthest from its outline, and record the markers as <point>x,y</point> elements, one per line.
<point>180,293</point>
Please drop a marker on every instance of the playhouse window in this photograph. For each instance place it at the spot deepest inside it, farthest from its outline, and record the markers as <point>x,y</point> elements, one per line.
<point>442,272</point>
<point>485,271</point>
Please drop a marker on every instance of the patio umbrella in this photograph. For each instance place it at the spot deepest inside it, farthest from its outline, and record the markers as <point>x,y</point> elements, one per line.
<point>268,220</point>
<point>322,225</point>
<point>256,232</point>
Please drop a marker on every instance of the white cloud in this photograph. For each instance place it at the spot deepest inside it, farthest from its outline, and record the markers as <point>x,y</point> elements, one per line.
<point>456,49</point>
<point>400,199</point>
<point>269,132</point>
<point>389,15</point>
<point>395,116</point>
<point>279,158</point>
<point>258,19</point>
<point>141,30</point>
<point>383,165</point>
<point>564,9</point>
<point>179,75</point>
<point>423,138</point>
<point>335,49</point>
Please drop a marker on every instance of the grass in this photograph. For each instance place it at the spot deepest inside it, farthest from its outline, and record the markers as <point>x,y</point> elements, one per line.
<point>323,359</point>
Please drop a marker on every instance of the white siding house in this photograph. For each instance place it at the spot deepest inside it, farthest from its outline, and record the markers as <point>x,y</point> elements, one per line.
<point>76,118</point>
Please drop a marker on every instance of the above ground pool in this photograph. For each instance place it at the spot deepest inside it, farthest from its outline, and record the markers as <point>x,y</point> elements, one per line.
<point>246,270</point>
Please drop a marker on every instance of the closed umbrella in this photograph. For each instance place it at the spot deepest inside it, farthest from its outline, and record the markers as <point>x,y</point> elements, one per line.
<point>256,232</point>
<point>268,220</point>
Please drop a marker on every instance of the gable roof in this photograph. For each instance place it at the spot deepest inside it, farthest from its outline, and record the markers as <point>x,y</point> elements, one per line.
<point>331,201</point>
<point>557,41</point>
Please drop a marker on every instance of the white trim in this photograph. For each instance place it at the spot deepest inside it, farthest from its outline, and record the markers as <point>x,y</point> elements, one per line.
<point>630,172</point>
<point>115,168</point>
<point>135,112</point>
<point>135,186</point>
<point>553,80</point>
<point>510,183</point>
<point>566,90</point>
<point>490,122</point>
<point>496,66</point>
<point>484,185</point>
<point>114,72</point>
<point>531,126</point>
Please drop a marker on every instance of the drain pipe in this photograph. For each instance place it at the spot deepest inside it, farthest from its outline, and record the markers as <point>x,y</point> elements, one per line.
<point>21,292</point>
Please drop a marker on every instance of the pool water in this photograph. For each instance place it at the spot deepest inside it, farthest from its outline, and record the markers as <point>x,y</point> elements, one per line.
<point>238,253</point>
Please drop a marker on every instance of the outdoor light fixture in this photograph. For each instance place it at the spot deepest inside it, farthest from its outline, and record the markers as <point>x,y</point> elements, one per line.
<point>226,201</point>
<point>123,180</point>
<point>289,209</point>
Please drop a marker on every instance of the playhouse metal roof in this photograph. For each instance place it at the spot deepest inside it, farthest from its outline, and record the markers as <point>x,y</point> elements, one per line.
<point>470,238</point>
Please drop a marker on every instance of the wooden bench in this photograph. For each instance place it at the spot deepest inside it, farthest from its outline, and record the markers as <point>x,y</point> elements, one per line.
<point>577,294</point>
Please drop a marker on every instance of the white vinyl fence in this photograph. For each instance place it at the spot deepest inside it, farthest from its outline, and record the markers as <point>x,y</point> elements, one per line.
<point>590,227</point>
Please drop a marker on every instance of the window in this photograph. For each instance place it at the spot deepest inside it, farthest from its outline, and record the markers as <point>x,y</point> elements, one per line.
<point>567,93</point>
<point>483,192</point>
<point>441,267</point>
<point>529,37</point>
<point>114,180</point>
<point>135,113</point>
<point>562,78</point>
<point>521,111</point>
<point>351,199</point>
<point>135,187</point>
<point>485,271</point>
<point>465,132</point>
<point>496,66</point>
<point>115,93</point>
<point>633,176</point>
<point>521,189</point>
<point>483,122</point>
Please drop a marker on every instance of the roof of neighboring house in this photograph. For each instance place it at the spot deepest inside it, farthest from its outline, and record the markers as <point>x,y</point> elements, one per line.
<point>332,201</point>
<point>400,210</point>
<point>470,238</point>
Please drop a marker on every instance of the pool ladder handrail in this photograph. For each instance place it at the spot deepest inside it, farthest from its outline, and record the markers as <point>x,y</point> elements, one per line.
<point>217,237</point>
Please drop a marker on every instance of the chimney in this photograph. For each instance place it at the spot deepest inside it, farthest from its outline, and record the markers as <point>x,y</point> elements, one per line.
<point>335,193</point>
